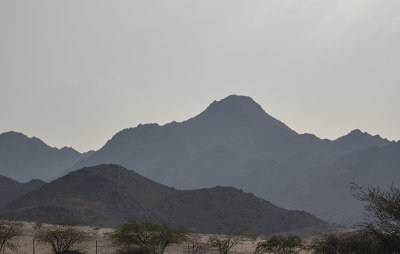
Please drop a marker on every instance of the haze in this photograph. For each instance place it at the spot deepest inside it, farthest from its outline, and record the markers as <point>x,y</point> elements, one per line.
<point>73,73</point>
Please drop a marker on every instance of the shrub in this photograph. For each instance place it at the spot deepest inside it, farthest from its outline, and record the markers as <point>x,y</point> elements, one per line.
<point>136,235</point>
<point>357,242</point>
<point>382,214</point>
<point>279,244</point>
<point>63,239</point>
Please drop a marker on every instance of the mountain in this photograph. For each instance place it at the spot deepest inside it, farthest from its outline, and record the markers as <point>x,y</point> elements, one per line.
<point>234,142</point>
<point>376,166</point>
<point>110,195</point>
<point>11,189</point>
<point>23,158</point>
<point>357,140</point>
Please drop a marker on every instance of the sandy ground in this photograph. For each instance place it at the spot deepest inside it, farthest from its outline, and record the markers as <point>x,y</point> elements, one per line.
<point>99,235</point>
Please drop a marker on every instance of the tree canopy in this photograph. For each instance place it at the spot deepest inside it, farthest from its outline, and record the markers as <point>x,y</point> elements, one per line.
<point>382,214</point>
<point>279,244</point>
<point>143,234</point>
<point>61,238</point>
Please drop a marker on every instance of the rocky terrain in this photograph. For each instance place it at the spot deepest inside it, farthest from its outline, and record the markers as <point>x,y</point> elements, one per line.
<point>110,195</point>
<point>11,189</point>
<point>234,142</point>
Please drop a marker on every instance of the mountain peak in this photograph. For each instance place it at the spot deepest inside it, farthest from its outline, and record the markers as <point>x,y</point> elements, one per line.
<point>236,102</point>
<point>357,139</point>
<point>23,158</point>
<point>13,137</point>
<point>238,110</point>
<point>12,134</point>
<point>234,98</point>
<point>356,132</point>
<point>113,173</point>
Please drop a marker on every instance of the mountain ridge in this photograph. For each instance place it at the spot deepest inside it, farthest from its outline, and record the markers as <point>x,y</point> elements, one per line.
<point>233,142</point>
<point>24,158</point>
<point>110,194</point>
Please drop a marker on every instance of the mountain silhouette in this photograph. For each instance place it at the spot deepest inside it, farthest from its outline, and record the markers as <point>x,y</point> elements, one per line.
<point>110,195</point>
<point>234,142</point>
<point>23,158</point>
<point>358,140</point>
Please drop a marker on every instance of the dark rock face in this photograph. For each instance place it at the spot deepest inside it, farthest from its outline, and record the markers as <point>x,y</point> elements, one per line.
<point>11,189</point>
<point>110,195</point>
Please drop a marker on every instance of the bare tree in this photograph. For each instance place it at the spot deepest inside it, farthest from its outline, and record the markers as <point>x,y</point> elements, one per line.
<point>61,238</point>
<point>9,230</point>
<point>382,214</point>
<point>195,245</point>
<point>227,238</point>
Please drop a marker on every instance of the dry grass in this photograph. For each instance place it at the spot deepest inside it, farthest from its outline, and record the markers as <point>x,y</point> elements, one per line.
<point>25,243</point>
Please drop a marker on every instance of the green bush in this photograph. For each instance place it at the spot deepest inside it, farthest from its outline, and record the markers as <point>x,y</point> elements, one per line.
<point>279,244</point>
<point>137,235</point>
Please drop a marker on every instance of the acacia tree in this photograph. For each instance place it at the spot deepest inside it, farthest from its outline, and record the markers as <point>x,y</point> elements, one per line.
<point>9,230</point>
<point>151,237</point>
<point>279,244</point>
<point>195,245</point>
<point>227,238</point>
<point>61,238</point>
<point>382,214</point>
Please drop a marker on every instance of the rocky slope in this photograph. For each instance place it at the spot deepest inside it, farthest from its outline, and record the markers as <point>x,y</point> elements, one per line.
<point>234,142</point>
<point>11,189</point>
<point>110,195</point>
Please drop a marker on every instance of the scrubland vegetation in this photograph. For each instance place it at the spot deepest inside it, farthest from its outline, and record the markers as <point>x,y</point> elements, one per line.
<point>379,233</point>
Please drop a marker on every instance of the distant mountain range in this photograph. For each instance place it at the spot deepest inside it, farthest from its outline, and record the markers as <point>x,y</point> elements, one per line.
<point>110,195</point>
<point>234,142</point>
<point>23,158</point>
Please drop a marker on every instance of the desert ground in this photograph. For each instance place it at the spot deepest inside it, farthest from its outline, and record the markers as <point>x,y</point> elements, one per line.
<point>99,235</point>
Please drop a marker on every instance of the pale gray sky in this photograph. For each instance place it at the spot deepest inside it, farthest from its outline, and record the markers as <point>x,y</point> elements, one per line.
<point>73,73</point>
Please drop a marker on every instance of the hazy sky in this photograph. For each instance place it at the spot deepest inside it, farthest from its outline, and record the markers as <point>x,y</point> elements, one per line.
<point>73,73</point>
